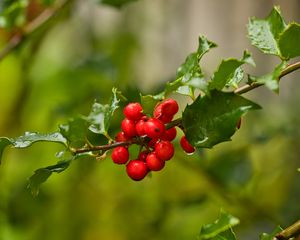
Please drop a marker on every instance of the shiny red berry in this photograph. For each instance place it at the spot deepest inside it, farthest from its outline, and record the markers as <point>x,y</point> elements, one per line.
<point>128,127</point>
<point>121,137</point>
<point>186,146</point>
<point>154,163</point>
<point>168,107</point>
<point>140,126</point>
<point>154,128</point>
<point>133,111</point>
<point>136,169</point>
<point>120,155</point>
<point>169,135</point>
<point>143,155</point>
<point>152,142</point>
<point>164,150</point>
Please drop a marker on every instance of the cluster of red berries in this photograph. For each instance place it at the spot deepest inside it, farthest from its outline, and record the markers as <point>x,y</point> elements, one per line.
<point>155,138</point>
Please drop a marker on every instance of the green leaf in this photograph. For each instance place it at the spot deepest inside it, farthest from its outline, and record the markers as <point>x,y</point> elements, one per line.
<point>75,131</point>
<point>266,236</point>
<point>42,174</point>
<point>212,119</point>
<point>30,137</point>
<point>236,78</point>
<point>116,3</point>
<point>289,41</point>
<point>189,75</point>
<point>227,235</point>
<point>271,80</point>
<point>4,142</point>
<point>227,70</point>
<point>100,116</point>
<point>224,223</point>
<point>149,102</point>
<point>264,33</point>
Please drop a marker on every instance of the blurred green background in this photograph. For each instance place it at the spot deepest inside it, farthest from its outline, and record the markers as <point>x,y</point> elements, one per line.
<point>78,57</point>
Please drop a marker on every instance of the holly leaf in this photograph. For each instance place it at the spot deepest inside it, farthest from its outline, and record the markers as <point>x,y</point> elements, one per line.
<point>4,142</point>
<point>226,72</point>
<point>224,223</point>
<point>264,33</point>
<point>289,41</point>
<point>75,131</point>
<point>42,174</point>
<point>271,236</point>
<point>189,75</point>
<point>116,3</point>
<point>100,115</point>
<point>236,78</point>
<point>149,102</point>
<point>31,137</point>
<point>212,119</point>
<point>271,80</point>
<point>227,235</point>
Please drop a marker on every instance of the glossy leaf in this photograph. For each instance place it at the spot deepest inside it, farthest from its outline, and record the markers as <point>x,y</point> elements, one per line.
<point>42,174</point>
<point>100,116</point>
<point>227,235</point>
<point>223,224</point>
<point>227,70</point>
<point>264,33</point>
<point>4,142</point>
<point>75,131</point>
<point>271,80</point>
<point>271,236</point>
<point>116,3</point>
<point>189,75</point>
<point>289,41</point>
<point>29,138</point>
<point>236,78</point>
<point>212,119</point>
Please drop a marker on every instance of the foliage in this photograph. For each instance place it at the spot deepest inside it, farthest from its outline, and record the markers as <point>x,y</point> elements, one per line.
<point>211,117</point>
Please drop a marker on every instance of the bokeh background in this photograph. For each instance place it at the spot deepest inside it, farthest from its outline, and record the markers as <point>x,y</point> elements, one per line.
<point>88,48</point>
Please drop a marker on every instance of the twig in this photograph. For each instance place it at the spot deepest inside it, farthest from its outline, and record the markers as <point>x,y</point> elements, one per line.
<point>248,87</point>
<point>292,231</point>
<point>32,27</point>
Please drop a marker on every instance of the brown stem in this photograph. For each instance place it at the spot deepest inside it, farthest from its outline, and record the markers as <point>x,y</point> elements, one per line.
<point>32,27</point>
<point>248,87</point>
<point>101,147</point>
<point>292,231</point>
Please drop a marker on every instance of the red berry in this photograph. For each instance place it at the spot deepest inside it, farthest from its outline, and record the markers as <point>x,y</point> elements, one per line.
<point>186,146</point>
<point>152,142</point>
<point>164,150</point>
<point>140,126</point>
<point>143,155</point>
<point>169,134</point>
<point>120,155</point>
<point>154,163</point>
<point>133,111</point>
<point>154,128</point>
<point>238,125</point>
<point>168,107</point>
<point>128,127</point>
<point>121,137</point>
<point>136,169</point>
